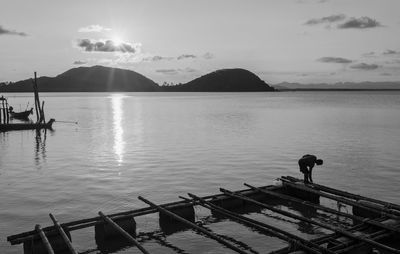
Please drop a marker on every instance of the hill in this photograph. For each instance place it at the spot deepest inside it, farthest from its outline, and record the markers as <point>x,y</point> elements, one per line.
<point>88,79</point>
<point>106,79</point>
<point>226,80</point>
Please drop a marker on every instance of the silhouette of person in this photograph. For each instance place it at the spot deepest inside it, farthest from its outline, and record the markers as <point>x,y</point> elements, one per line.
<point>306,164</point>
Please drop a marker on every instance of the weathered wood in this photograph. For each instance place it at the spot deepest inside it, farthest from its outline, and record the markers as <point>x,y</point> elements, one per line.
<point>323,225</point>
<point>123,232</point>
<point>331,190</point>
<point>44,239</point>
<point>323,208</point>
<point>42,113</point>
<point>340,199</point>
<point>263,227</point>
<point>62,233</point>
<point>194,226</point>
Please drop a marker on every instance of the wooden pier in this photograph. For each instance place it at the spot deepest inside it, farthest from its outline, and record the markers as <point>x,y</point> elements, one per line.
<point>375,224</point>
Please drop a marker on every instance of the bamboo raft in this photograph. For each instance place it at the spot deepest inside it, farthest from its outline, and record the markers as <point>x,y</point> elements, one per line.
<point>375,224</point>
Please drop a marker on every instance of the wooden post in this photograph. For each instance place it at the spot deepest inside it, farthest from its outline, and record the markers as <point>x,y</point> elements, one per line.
<point>37,101</point>
<point>42,113</point>
<point>44,239</point>
<point>1,109</point>
<point>323,225</point>
<point>194,226</point>
<point>263,227</point>
<point>62,233</point>
<point>123,232</point>
<point>7,113</point>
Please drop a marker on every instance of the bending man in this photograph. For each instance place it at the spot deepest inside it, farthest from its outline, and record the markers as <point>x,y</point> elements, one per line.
<point>306,164</point>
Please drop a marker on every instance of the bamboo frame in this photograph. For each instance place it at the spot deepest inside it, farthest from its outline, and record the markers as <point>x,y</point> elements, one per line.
<point>317,223</point>
<point>193,226</point>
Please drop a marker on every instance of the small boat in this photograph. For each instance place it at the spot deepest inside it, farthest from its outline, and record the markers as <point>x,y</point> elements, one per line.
<point>26,126</point>
<point>24,115</point>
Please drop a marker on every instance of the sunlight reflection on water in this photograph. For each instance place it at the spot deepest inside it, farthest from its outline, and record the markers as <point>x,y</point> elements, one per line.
<point>118,131</point>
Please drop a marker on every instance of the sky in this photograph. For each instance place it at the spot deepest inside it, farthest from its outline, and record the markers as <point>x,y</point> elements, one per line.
<point>305,41</point>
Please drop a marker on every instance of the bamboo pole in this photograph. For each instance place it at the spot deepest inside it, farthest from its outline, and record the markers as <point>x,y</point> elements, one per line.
<point>323,225</point>
<point>341,199</point>
<point>123,232</point>
<point>63,235</point>
<point>388,205</point>
<point>44,239</point>
<point>193,226</point>
<point>264,228</point>
<point>323,208</point>
<point>89,222</point>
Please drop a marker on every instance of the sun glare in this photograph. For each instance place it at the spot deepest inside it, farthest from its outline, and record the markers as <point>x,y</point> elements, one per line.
<point>117,41</point>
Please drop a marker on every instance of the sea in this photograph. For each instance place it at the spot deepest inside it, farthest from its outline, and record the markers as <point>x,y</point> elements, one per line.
<point>107,149</point>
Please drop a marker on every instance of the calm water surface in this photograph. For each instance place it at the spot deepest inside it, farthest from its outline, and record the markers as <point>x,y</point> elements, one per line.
<point>162,145</point>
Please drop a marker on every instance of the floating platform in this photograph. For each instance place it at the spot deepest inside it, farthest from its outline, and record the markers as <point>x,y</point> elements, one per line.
<point>375,224</point>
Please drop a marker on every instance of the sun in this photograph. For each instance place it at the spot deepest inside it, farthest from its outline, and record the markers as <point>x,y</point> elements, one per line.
<point>117,41</point>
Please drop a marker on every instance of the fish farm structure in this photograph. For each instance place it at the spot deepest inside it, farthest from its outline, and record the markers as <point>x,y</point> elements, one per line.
<point>371,225</point>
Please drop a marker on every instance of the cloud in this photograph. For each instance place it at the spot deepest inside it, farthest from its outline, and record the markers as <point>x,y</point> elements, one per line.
<point>107,46</point>
<point>329,59</point>
<point>185,56</point>
<point>11,32</point>
<point>167,71</point>
<point>157,58</point>
<point>391,52</point>
<point>328,19</point>
<point>386,74</point>
<point>369,54</point>
<point>176,71</point>
<point>79,62</point>
<point>360,23</point>
<point>93,29</point>
<point>208,55</point>
<point>364,66</point>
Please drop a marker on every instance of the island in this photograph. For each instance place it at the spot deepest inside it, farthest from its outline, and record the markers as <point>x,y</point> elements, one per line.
<point>106,79</point>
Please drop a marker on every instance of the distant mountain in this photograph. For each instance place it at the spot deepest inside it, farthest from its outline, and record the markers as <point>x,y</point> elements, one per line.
<point>225,80</point>
<point>88,79</point>
<point>339,86</point>
<point>106,79</point>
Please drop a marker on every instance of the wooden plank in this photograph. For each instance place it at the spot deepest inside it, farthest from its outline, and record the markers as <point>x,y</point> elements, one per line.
<point>340,199</point>
<point>263,227</point>
<point>349,195</point>
<point>63,235</point>
<point>123,232</point>
<point>193,226</point>
<point>317,223</point>
<point>44,239</point>
<point>323,208</point>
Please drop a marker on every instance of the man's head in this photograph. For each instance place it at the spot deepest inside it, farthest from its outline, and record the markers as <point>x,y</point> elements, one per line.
<point>319,162</point>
